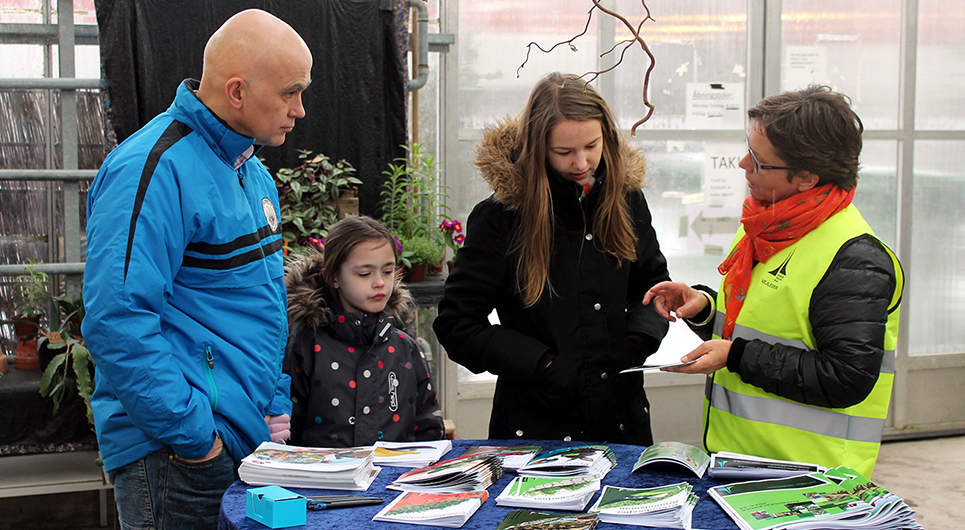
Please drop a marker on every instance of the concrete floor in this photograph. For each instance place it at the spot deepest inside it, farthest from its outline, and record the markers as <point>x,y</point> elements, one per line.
<point>927,474</point>
<point>930,476</point>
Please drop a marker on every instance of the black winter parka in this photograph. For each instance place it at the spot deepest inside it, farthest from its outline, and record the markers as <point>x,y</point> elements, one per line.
<point>593,321</point>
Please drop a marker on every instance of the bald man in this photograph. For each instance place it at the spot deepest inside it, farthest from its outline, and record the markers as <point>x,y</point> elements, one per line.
<point>184,283</point>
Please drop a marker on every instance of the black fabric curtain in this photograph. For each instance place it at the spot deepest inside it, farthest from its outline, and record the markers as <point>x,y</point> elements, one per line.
<point>355,107</point>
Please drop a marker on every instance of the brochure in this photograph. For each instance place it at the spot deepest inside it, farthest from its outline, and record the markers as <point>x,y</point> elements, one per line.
<point>291,466</point>
<point>670,506</point>
<point>679,453</point>
<point>529,520</point>
<point>839,498</point>
<point>595,460</point>
<point>654,366</point>
<point>434,509</point>
<point>460,474</point>
<point>511,457</point>
<point>736,466</point>
<point>410,454</point>
<point>549,493</point>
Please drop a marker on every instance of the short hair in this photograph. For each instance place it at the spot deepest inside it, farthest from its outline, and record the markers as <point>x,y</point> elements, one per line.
<point>345,235</point>
<point>813,129</point>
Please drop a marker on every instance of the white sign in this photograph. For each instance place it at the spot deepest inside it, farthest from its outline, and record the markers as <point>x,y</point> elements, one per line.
<point>713,222</point>
<point>715,105</point>
<point>804,65</point>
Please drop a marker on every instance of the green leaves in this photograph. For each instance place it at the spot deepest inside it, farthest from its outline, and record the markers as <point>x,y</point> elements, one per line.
<point>413,199</point>
<point>70,369</point>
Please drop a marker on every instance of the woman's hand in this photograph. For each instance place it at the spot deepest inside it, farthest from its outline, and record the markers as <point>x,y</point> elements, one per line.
<point>710,356</point>
<point>683,300</point>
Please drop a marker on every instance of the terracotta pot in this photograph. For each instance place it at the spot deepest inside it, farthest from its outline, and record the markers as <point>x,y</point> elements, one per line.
<point>434,270</point>
<point>4,364</point>
<point>26,358</point>
<point>449,266</point>
<point>417,273</point>
<point>22,330</point>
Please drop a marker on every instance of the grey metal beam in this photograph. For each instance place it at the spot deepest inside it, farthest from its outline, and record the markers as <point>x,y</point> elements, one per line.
<point>43,34</point>
<point>65,175</point>
<point>56,83</point>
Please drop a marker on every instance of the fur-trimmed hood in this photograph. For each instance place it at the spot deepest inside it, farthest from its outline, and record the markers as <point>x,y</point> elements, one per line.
<point>308,305</point>
<point>497,153</point>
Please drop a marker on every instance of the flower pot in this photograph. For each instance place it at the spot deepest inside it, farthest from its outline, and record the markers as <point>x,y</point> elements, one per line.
<point>26,358</point>
<point>434,270</point>
<point>417,273</point>
<point>29,328</point>
<point>449,265</point>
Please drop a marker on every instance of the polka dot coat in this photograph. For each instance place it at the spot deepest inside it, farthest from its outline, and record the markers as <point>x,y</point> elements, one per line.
<point>358,380</point>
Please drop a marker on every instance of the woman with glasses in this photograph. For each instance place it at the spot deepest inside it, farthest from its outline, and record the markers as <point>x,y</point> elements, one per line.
<point>800,338</point>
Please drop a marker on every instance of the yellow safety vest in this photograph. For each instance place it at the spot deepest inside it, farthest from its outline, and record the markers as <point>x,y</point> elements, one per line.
<point>743,418</point>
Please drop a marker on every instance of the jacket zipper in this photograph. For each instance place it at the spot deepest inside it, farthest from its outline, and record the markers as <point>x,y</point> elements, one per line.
<point>209,372</point>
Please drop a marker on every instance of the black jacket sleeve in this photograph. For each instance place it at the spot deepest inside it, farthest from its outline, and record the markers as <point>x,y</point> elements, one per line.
<point>848,314</point>
<point>645,328</point>
<point>299,364</point>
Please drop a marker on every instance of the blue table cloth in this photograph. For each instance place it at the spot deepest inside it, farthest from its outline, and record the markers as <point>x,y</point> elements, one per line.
<point>707,514</point>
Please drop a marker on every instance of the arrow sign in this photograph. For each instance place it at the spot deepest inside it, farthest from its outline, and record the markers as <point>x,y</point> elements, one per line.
<point>714,226</point>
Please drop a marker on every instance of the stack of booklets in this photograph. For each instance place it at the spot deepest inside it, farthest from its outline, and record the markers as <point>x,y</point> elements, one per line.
<point>433,509</point>
<point>670,506</point>
<point>839,498</point>
<point>549,493</point>
<point>736,466</point>
<point>511,457</point>
<point>683,454</point>
<point>290,466</point>
<point>530,520</point>
<point>583,460</point>
<point>458,475</point>
<point>410,454</point>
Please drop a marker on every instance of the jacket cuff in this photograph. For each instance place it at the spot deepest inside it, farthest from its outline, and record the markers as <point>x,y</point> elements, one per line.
<point>736,353</point>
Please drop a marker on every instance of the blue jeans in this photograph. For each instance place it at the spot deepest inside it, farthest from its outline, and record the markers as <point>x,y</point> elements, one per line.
<point>162,492</point>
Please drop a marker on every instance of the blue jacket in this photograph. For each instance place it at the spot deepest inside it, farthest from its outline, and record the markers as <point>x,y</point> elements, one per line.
<point>184,290</point>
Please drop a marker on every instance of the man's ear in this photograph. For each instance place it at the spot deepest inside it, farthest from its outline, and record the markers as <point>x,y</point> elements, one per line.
<point>234,92</point>
<point>806,180</point>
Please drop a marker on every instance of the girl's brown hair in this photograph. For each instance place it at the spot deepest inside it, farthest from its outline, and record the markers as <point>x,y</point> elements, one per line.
<point>346,235</point>
<point>554,99</point>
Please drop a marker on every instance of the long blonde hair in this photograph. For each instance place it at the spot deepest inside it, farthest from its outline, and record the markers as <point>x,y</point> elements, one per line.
<point>554,99</point>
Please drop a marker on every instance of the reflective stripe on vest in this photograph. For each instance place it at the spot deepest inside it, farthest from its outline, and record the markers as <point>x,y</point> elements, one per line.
<point>744,418</point>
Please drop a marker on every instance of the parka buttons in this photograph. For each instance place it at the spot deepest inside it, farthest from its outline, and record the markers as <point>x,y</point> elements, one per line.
<point>519,434</point>
<point>596,307</point>
<point>604,375</point>
<point>589,237</point>
<point>366,410</point>
<point>567,439</point>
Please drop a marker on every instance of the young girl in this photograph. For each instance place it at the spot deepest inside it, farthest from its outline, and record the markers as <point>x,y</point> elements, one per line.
<point>564,251</point>
<point>356,377</point>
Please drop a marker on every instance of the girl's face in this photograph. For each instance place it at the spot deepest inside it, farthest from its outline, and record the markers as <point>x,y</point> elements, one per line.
<point>574,149</point>
<point>365,280</point>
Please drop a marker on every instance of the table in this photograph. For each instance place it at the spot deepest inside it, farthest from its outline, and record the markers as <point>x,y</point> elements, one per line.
<point>27,425</point>
<point>707,514</point>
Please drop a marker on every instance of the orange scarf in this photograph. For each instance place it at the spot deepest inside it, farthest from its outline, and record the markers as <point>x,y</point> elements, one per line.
<point>768,230</point>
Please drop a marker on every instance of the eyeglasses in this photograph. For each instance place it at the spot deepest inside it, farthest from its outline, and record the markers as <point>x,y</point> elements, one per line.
<point>758,166</point>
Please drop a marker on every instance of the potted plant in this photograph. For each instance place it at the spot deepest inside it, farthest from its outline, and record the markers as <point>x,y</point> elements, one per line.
<point>314,196</point>
<point>413,203</point>
<point>453,236</point>
<point>29,297</point>
<point>71,368</point>
<point>422,251</point>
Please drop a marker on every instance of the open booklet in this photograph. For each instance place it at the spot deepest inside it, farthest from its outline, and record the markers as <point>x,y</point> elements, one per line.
<point>736,466</point>
<point>410,454</point>
<point>839,498</point>
<point>548,493</point>
<point>678,453</point>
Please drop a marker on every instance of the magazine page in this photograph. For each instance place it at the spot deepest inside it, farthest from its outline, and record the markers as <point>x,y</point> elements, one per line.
<point>511,457</point>
<point>669,506</point>
<point>530,520</point>
<point>270,455</point>
<point>549,493</point>
<point>725,465</point>
<point>410,454</point>
<point>434,509</point>
<point>792,502</point>
<point>683,454</point>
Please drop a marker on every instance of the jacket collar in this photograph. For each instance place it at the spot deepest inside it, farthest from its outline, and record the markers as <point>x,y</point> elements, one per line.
<point>232,147</point>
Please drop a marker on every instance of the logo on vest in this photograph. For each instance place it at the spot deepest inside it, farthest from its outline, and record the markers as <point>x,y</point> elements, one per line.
<point>393,392</point>
<point>778,274</point>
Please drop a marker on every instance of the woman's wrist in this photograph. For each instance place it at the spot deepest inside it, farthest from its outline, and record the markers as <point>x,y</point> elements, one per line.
<point>710,309</point>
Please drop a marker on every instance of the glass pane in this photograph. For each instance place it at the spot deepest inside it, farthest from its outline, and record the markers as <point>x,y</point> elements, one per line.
<point>935,284</point>
<point>22,12</point>
<point>21,60</point>
<point>492,46</point>
<point>694,41</point>
<point>940,65</point>
<point>850,45</point>
<point>84,12</point>
<point>877,197</point>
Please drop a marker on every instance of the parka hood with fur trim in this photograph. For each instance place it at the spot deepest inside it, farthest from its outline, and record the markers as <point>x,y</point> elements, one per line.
<point>308,305</point>
<point>497,153</point>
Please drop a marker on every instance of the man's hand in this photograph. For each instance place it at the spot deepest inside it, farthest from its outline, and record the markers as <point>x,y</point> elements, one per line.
<point>683,300</point>
<point>711,356</point>
<point>216,448</point>
<point>279,427</point>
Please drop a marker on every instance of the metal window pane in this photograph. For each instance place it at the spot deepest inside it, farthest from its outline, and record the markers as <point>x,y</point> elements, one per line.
<point>940,65</point>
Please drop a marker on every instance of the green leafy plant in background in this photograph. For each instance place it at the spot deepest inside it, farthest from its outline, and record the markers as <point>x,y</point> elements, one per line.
<point>312,196</point>
<point>30,292</point>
